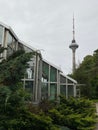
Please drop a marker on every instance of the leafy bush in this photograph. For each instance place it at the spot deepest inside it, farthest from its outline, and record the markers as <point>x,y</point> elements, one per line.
<point>77,114</point>
<point>15,113</point>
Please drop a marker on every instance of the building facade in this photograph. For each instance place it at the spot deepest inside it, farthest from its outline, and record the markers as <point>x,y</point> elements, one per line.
<point>42,79</point>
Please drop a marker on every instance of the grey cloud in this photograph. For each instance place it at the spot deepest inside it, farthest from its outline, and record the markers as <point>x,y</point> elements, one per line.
<point>47,24</point>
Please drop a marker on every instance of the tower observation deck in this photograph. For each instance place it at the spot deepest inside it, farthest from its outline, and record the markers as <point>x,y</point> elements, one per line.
<point>73,46</point>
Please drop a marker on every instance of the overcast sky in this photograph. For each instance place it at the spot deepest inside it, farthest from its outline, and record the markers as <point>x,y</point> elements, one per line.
<point>47,26</point>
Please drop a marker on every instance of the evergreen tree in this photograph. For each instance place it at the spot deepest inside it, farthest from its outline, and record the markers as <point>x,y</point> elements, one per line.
<point>14,111</point>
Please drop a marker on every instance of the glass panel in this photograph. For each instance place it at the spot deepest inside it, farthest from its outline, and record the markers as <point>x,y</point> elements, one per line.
<point>20,46</point>
<point>29,89</point>
<point>14,44</point>
<point>9,51</point>
<point>69,81</point>
<point>53,74</point>
<point>63,89</point>
<point>53,91</point>
<point>70,90</point>
<point>44,91</point>
<point>1,34</point>
<point>30,71</point>
<point>10,39</point>
<point>45,69</point>
<point>31,62</point>
<point>9,44</point>
<point>62,79</point>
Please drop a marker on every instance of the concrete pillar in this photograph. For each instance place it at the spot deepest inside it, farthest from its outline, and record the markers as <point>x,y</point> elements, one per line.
<point>74,90</point>
<point>49,83</point>
<point>36,76</point>
<point>58,83</point>
<point>5,44</point>
<point>66,88</point>
<point>39,80</point>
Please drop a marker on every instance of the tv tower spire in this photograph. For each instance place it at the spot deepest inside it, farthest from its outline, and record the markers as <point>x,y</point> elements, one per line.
<point>73,28</point>
<point>73,46</point>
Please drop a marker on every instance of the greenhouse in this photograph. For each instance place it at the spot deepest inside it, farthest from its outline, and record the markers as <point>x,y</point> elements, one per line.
<point>42,79</point>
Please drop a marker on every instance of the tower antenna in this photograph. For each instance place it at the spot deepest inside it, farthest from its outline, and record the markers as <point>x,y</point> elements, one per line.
<point>73,28</point>
<point>73,46</point>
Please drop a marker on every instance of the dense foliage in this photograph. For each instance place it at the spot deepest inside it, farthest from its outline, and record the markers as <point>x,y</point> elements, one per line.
<point>87,75</point>
<point>72,113</point>
<point>18,114</point>
<point>14,111</point>
<point>77,114</point>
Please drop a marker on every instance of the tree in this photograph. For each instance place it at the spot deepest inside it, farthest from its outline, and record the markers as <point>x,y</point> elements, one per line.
<point>14,111</point>
<point>87,74</point>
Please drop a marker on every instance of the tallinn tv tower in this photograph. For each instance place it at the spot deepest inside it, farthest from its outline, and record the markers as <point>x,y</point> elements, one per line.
<point>73,46</point>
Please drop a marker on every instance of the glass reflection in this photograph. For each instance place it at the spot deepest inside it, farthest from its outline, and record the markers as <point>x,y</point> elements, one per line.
<point>29,73</point>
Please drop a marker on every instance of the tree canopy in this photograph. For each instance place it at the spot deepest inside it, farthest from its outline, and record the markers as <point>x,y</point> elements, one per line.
<point>87,74</point>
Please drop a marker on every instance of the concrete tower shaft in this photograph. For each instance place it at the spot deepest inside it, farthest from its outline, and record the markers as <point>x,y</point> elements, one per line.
<point>73,46</point>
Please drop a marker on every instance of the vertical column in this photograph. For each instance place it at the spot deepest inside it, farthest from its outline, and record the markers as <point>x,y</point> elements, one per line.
<point>39,79</point>
<point>3,37</point>
<point>2,44</point>
<point>49,83</point>
<point>16,46</point>
<point>66,88</point>
<point>36,77</point>
<point>34,84</point>
<point>5,43</point>
<point>58,83</point>
<point>74,90</point>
